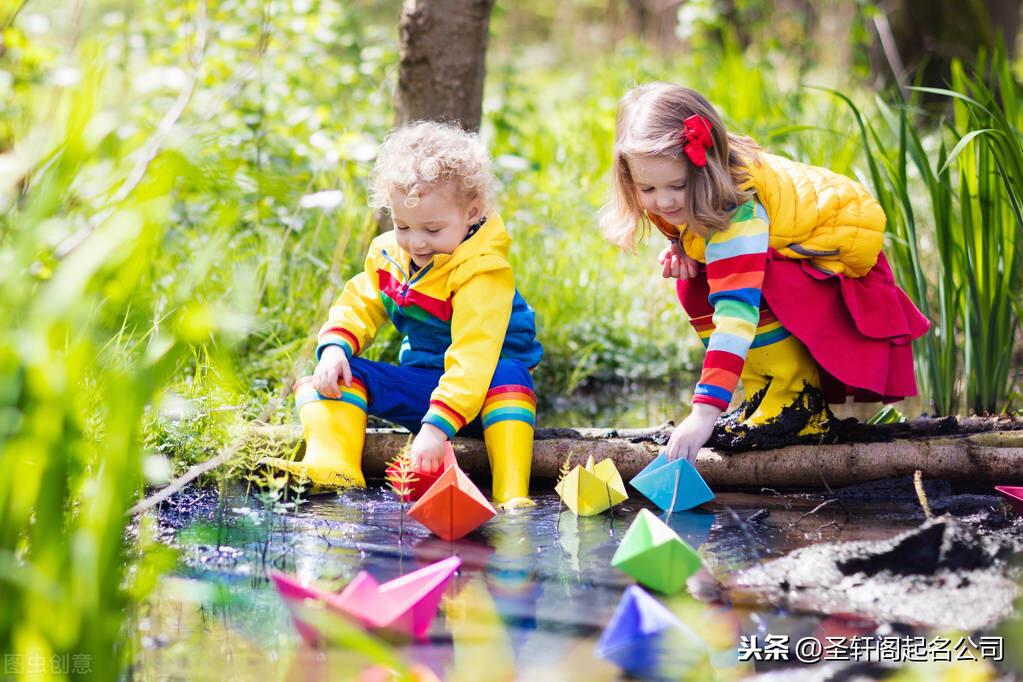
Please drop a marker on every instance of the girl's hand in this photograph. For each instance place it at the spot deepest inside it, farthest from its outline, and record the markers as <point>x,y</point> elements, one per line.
<point>428,450</point>
<point>333,365</point>
<point>695,430</point>
<point>675,263</point>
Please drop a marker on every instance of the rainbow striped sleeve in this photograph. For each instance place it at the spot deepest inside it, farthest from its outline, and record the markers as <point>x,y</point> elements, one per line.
<point>354,318</point>
<point>444,417</point>
<point>736,258</point>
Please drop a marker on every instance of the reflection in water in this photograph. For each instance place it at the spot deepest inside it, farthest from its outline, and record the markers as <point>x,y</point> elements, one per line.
<point>582,536</point>
<point>511,573</point>
<point>535,591</point>
<point>480,640</point>
<point>692,526</point>
<point>474,553</point>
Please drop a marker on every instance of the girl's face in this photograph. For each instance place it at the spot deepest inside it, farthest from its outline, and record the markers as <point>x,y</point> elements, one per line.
<point>437,224</point>
<point>660,183</point>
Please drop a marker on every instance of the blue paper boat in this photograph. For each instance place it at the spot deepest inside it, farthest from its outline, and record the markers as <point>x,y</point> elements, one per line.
<point>644,637</point>
<point>672,486</point>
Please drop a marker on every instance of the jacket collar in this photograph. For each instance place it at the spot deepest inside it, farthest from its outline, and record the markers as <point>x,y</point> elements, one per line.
<point>491,239</point>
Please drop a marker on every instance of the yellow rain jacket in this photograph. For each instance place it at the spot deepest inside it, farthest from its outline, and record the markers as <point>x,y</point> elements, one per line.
<point>460,313</point>
<point>814,213</point>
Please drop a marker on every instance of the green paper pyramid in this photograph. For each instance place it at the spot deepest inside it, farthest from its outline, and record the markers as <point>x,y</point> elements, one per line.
<point>655,555</point>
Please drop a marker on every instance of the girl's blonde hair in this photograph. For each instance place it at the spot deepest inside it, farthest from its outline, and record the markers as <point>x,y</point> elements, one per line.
<point>422,155</point>
<point>650,123</point>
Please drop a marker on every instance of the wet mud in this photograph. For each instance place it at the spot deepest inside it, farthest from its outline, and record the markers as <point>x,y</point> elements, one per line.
<point>731,435</point>
<point>950,572</point>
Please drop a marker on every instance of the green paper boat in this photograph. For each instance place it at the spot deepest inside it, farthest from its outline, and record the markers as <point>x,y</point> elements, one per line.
<point>655,555</point>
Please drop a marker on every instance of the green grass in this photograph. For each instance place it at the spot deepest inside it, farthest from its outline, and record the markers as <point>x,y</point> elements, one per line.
<point>84,356</point>
<point>953,202</point>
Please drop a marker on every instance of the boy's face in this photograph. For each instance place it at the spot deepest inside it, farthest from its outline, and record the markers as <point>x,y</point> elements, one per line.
<point>437,224</point>
<point>660,183</point>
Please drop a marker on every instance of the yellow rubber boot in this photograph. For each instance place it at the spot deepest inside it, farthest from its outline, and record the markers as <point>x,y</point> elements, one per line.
<point>334,432</point>
<point>508,418</point>
<point>786,368</point>
<point>510,450</point>
<point>753,388</point>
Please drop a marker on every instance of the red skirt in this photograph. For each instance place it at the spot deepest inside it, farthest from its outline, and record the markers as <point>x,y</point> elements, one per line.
<point>859,330</point>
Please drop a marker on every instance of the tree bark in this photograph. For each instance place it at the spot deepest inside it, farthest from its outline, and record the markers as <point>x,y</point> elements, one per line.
<point>993,457</point>
<point>655,21</point>
<point>442,61</point>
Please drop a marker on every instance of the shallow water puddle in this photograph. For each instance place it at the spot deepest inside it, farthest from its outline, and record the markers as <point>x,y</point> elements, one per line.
<point>535,590</point>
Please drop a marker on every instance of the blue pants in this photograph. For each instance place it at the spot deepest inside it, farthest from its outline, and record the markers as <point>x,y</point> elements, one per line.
<point>402,394</point>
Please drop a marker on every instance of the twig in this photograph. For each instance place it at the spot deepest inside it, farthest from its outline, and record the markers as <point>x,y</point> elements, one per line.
<point>674,495</point>
<point>813,511</point>
<point>832,492</point>
<point>918,483</point>
<point>787,501</point>
<point>177,484</point>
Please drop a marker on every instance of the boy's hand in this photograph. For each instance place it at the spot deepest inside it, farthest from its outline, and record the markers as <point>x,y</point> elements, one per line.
<point>333,365</point>
<point>676,263</point>
<point>695,430</point>
<point>428,450</point>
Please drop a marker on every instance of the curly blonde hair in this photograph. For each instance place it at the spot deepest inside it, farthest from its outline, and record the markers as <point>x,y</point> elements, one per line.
<point>422,155</point>
<point>650,119</point>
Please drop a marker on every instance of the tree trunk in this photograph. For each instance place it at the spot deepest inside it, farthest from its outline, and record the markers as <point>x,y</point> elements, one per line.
<point>655,22</point>
<point>442,62</point>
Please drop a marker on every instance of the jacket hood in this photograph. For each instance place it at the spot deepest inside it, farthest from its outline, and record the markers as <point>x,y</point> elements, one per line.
<point>484,251</point>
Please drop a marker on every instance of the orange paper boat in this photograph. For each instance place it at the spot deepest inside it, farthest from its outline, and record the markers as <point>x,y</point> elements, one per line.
<point>423,480</point>
<point>453,507</point>
<point>405,605</point>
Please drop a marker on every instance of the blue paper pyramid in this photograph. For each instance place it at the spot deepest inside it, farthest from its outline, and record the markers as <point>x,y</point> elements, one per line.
<point>672,486</point>
<point>634,639</point>
<point>646,638</point>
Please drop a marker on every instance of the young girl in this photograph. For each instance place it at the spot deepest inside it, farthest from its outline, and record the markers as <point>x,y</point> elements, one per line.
<point>779,268</point>
<point>442,277</point>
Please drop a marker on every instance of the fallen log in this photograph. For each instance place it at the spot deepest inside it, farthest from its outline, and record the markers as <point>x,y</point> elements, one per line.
<point>986,457</point>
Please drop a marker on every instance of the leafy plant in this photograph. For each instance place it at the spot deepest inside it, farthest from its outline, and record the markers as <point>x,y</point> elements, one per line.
<point>968,287</point>
<point>401,474</point>
<point>85,352</point>
<point>989,161</point>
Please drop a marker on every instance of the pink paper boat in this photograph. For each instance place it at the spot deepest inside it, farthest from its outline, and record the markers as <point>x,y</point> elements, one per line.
<point>1014,495</point>
<point>405,605</point>
<point>293,595</point>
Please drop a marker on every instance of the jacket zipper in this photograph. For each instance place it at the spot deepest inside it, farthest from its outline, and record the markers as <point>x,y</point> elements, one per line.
<point>406,282</point>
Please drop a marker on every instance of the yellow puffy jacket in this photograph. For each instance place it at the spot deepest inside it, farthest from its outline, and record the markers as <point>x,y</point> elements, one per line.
<point>814,213</point>
<point>460,313</point>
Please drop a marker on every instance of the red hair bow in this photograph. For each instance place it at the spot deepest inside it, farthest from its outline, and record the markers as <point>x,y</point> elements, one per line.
<point>696,139</point>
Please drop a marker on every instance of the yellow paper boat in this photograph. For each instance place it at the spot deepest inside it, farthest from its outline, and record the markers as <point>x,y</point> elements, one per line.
<point>592,489</point>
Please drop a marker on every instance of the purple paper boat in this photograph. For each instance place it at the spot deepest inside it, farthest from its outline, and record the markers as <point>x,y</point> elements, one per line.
<point>638,638</point>
<point>405,605</point>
